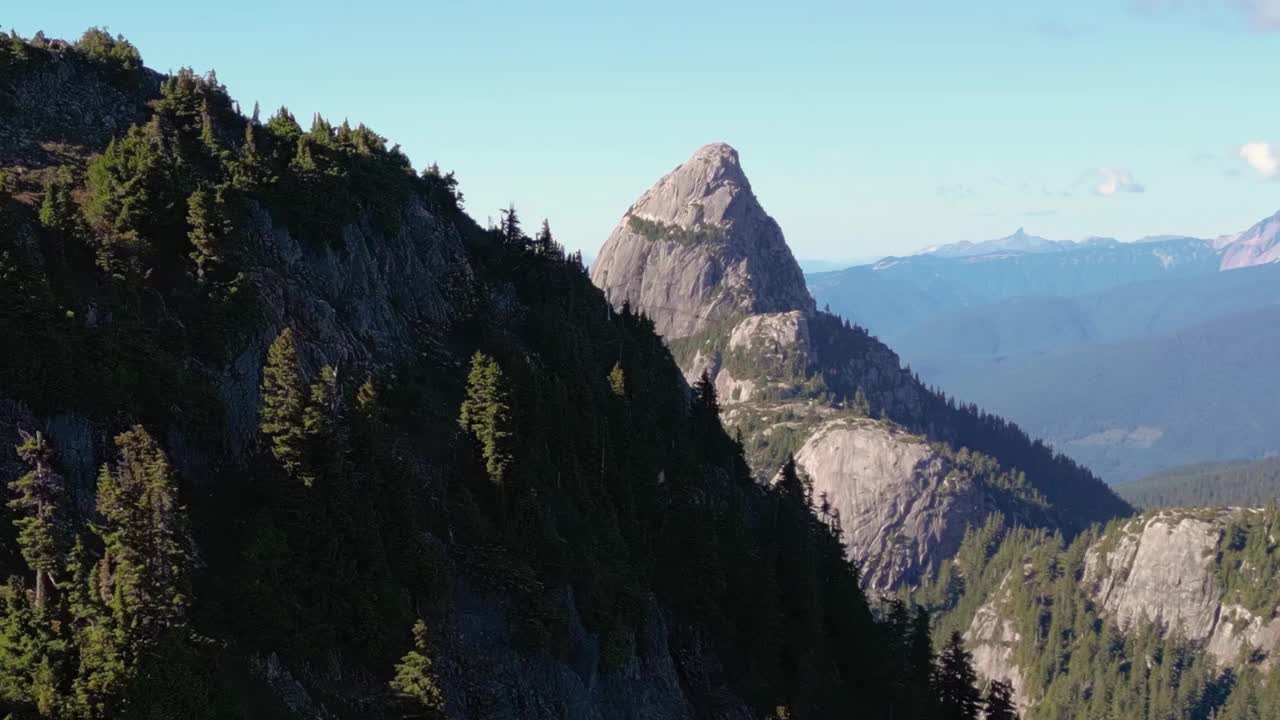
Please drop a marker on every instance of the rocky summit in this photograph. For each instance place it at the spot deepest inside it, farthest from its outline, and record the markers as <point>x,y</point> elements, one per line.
<point>697,249</point>
<point>900,470</point>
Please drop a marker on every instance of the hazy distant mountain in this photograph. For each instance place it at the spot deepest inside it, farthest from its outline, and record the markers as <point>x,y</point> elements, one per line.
<point>891,296</point>
<point>1042,324</point>
<point>817,266</point>
<point>1101,346</point>
<point>1128,408</point>
<point>1019,241</point>
<point>1258,245</point>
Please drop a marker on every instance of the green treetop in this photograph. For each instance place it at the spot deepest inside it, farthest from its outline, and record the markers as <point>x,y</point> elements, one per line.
<point>284,405</point>
<point>486,414</point>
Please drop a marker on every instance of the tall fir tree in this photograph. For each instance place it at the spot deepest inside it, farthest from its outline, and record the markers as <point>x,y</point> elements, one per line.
<point>510,228</point>
<point>41,522</point>
<point>956,682</point>
<point>998,703</point>
<point>283,414</point>
<point>486,414</point>
<point>146,541</point>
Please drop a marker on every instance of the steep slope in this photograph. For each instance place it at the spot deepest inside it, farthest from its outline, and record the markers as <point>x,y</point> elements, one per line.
<point>697,249</point>
<point>1188,593</point>
<point>248,344</point>
<point>804,382</point>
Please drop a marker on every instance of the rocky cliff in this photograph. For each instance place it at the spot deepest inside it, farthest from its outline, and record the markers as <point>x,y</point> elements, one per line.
<point>698,255</point>
<point>905,506</point>
<point>1199,577</point>
<point>697,248</point>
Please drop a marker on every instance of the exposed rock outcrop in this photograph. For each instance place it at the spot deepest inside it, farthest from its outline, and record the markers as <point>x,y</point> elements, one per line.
<point>697,248</point>
<point>903,507</point>
<point>698,255</point>
<point>992,637</point>
<point>1162,569</point>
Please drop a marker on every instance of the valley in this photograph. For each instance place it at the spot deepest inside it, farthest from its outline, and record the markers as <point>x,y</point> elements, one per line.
<point>296,437</point>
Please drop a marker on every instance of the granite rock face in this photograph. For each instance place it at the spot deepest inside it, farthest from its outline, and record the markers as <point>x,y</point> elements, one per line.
<point>697,248</point>
<point>902,507</point>
<point>1162,569</point>
<point>992,637</point>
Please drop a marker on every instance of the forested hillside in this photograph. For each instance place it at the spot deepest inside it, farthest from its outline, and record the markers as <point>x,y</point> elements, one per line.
<point>297,438</point>
<point>1168,615</point>
<point>1241,483</point>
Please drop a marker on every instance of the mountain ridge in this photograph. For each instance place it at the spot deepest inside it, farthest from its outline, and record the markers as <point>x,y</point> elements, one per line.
<point>784,378</point>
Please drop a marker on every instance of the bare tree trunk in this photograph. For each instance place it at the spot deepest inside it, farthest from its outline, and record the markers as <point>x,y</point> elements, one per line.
<point>41,581</point>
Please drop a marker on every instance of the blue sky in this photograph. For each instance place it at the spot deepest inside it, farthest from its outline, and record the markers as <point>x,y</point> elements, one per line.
<point>866,127</point>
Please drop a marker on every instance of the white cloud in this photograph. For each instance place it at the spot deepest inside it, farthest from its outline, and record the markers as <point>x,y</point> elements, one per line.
<point>1261,157</point>
<point>1116,180</point>
<point>1262,14</point>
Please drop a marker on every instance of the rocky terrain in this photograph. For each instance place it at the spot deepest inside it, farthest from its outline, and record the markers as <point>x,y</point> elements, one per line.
<point>727,295</point>
<point>698,249</point>
<point>1186,575</point>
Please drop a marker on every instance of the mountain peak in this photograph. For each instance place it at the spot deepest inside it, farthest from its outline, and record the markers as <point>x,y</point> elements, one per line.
<point>717,152</point>
<point>697,248</point>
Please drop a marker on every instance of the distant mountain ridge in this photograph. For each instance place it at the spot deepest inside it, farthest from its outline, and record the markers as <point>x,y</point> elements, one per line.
<point>1018,324</point>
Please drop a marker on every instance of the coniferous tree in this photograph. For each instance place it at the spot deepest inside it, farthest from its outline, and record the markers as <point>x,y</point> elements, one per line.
<point>415,678</point>
<point>544,244</point>
<point>509,228</point>
<point>210,230</point>
<point>42,527</point>
<point>140,589</point>
<point>284,405</point>
<point>998,704</point>
<point>58,211</point>
<point>789,482</point>
<point>486,414</point>
<point>955,683</point>
<point>704,395</point>
<point>144,532</point>
<point>618,380</point>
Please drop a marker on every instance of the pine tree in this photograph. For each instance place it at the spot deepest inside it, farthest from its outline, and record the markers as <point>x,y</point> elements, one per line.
<point>42,529</point>
<point>210,230</point>
<point>704,395</point>
<point>955,683</point>
<point>284,406</point>
<point>415,678</point>
<point>999,703</point>
<point>58,211</point>
<point>486,414</point>
<point>618,380</point>
<point>509,228</point>
<point>148,551</point>
<point>544,244</point>
<point>789,482</point>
